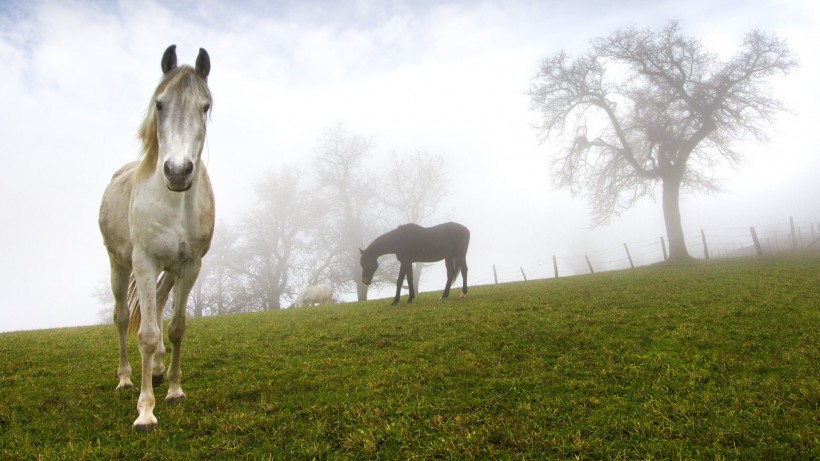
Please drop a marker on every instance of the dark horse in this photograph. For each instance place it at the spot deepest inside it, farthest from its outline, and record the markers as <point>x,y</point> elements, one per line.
<point>413,243</point>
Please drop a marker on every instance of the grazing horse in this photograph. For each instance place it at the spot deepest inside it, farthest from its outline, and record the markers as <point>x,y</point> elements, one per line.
<point>314,294</point>
<point>157,217</point>
<point>413,243</point>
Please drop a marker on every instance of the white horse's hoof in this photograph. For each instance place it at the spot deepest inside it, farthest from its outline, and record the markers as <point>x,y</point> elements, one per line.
<point>156,381</point>
<point>144,428</point>
<point>125,386</point>
<point>145,424</point>
<point>172,400</point>
<point>463,295</point>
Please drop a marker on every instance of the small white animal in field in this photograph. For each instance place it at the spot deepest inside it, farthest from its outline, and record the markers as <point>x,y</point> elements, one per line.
<point>314,294</point>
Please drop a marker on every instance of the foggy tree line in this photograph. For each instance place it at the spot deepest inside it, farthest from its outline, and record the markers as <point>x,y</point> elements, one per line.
<point>305,227</point>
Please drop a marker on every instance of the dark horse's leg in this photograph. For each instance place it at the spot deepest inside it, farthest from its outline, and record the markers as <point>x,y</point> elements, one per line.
<point>451,274</point>
<point>402,272</point>
<point>410,283</point>
<point>461,264</point>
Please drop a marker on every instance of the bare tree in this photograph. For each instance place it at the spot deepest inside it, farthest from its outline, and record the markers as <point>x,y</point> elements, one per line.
<point>413,189</point>
<point>659,109</point>
<point>105,298</point>
<point>351,197</point>
<point>322,262</point>
<point>222,287</point>
<point>414,185</point>
<point>272,235</point>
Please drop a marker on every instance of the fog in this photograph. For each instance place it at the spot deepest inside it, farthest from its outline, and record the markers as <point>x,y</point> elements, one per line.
<point>447,78</point>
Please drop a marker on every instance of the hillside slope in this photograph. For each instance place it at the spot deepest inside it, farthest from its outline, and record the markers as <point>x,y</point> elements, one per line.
<point>710,360</point>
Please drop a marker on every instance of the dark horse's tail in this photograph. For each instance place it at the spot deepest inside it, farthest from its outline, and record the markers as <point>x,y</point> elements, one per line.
<point>456,262</point>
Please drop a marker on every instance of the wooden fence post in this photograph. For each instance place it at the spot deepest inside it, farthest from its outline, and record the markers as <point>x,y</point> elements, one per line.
<point>495,275</point>
<point>663,247</point>
<point>756,242</point>
<point>522,273</point>
<point>705,248</point>
<point>628,256</point>
<point>589,264</point>
<point>794,239</point>
<point>555,265</point>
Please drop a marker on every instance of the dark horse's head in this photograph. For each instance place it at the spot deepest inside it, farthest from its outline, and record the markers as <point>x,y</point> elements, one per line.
<point>369,266</point>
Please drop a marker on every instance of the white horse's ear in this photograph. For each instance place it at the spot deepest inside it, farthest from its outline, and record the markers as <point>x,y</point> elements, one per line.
<point>361,251</point>
<point>169,59</point>
<point>203,64</point>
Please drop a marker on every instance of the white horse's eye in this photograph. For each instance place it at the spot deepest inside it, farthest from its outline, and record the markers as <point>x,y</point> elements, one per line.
<point>159,105</point>
<point>206,107</point>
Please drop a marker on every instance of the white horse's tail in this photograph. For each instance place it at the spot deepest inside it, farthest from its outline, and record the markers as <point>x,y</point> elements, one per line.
<point>134,303</point>
<point>133,306</point>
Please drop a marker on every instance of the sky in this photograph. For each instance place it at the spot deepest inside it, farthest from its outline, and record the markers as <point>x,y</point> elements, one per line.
<point>447,78</point>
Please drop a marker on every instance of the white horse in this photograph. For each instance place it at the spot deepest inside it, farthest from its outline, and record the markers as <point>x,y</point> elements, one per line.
<point>157,217</point>
<point>314,294</point>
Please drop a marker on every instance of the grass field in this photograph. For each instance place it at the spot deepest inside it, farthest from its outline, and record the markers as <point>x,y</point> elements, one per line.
<point>715,360</point>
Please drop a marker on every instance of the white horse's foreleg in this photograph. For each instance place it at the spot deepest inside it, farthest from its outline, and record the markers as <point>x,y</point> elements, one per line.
<point>149,337</point>
<point>176,330</point>
<point>119,287</point>
<point>166,281</point>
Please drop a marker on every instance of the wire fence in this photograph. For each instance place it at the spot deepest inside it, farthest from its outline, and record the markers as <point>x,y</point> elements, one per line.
<point>702,244</point>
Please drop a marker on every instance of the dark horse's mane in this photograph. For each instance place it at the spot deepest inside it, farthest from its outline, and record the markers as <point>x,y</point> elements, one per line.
<point>404,226</point>
<point>389,237</point>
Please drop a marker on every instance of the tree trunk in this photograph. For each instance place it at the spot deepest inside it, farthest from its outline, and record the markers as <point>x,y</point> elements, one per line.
<point>273,302</point>
<point>361,291</point>
<point>417,275</point>
<point>671,216</point>
<point>361,288</point>
<point>197,298</point>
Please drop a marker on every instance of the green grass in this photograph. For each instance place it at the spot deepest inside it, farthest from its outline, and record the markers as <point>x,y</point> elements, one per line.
<point>713,360</point>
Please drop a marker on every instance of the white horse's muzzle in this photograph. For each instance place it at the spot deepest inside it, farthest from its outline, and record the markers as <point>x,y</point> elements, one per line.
<point>178,178</point>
